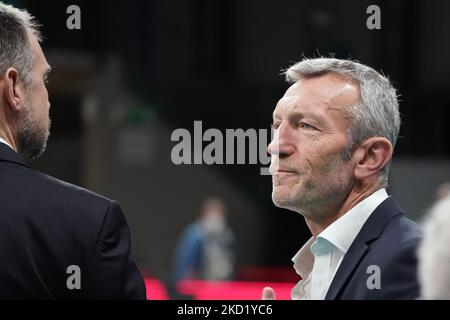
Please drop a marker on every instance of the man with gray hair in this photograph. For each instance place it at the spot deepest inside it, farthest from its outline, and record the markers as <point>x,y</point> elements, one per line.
<point>57,240</point>
<point>335,130</point>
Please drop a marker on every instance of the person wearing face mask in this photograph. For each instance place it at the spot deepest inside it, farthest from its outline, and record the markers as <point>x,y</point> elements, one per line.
<point>206,248</point>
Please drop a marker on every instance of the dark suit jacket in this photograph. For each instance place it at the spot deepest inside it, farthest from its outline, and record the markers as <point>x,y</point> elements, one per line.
<point>47,225</point>
<point>389,241</point>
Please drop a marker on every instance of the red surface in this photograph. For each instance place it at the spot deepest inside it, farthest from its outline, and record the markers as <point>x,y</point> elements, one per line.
<point>155,289</point>
<point>268,274</point>
<point>218,290</point>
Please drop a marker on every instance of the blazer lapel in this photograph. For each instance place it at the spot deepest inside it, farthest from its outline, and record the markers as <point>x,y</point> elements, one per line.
<point>370,231</point>
<point>348,265</point>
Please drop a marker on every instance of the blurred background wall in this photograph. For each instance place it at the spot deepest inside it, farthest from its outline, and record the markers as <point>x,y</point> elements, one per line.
<point>139,69</point>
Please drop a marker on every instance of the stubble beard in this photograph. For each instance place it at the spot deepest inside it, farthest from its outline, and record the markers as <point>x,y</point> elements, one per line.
<point>312,197</point>
<point>32,134</point>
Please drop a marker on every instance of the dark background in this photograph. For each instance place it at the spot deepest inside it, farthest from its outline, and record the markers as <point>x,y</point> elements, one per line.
<point>143,68</point>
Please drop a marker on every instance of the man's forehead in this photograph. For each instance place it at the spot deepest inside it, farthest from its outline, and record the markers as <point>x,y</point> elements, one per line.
<point>326,92</point>
<point>328,84</point>
<point>293,89</point>
<point>285,103</point>
<point>298,106</point>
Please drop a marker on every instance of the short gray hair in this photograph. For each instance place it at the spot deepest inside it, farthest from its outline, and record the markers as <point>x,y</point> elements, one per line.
<point>434,253</point>
<point>15,48</point>
<point>376,115</point>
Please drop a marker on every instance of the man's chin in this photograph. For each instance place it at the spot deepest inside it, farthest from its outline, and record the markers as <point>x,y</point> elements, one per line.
<point>281,200</point>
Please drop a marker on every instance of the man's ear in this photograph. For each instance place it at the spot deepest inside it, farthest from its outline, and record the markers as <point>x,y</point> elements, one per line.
<point>372,156</point>
<point>13,89</point>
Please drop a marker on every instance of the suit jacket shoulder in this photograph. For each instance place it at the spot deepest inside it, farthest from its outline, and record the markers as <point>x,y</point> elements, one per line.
<point>48,225</point>
<point>381,262</point>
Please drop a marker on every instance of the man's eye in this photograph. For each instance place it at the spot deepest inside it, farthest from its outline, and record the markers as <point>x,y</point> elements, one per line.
<point>306,126</point>
<point>275,125</point>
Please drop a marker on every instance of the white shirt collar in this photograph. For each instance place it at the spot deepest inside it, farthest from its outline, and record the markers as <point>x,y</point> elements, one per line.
<point>341,232</point>
<point>304,259</point>
<point>344,230</point>
<point>4,141</point>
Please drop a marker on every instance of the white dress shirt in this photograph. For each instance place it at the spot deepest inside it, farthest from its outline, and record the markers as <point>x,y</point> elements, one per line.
<point>319,259</point>
<point>4,141</point>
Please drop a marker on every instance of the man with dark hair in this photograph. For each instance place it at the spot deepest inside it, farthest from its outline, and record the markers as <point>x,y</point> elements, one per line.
<point>57,241</point>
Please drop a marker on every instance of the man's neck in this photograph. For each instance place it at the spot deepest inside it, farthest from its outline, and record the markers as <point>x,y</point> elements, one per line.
<point>316,226</point>
<point>6,138</point>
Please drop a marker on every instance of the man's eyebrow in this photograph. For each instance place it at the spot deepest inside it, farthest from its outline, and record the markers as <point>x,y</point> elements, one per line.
<point>301,114</point>
<point>313,115</point>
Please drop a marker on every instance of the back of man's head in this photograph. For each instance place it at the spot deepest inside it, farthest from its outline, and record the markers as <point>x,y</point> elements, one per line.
<point>15,50</point>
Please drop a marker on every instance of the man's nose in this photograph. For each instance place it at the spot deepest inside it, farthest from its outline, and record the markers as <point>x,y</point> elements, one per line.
<point>282,142</point>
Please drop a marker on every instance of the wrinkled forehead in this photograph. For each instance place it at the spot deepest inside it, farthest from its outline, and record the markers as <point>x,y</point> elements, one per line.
<point>327,85</point>
<point>330,92</point>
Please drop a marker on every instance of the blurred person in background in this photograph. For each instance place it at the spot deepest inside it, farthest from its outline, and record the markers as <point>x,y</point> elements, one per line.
<point>335,131</point>
<point>206,249</point>
<point>58,241</point>
<point>434,252</point>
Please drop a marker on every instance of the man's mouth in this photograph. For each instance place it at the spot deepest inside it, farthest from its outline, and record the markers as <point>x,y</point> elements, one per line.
<point>284,172</point>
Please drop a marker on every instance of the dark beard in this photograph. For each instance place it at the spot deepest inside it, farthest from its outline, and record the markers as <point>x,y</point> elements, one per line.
<point>31,138</point>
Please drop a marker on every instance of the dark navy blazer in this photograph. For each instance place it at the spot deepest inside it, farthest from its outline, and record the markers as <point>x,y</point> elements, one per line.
<point>388,240</point>
<point>47,225</point>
